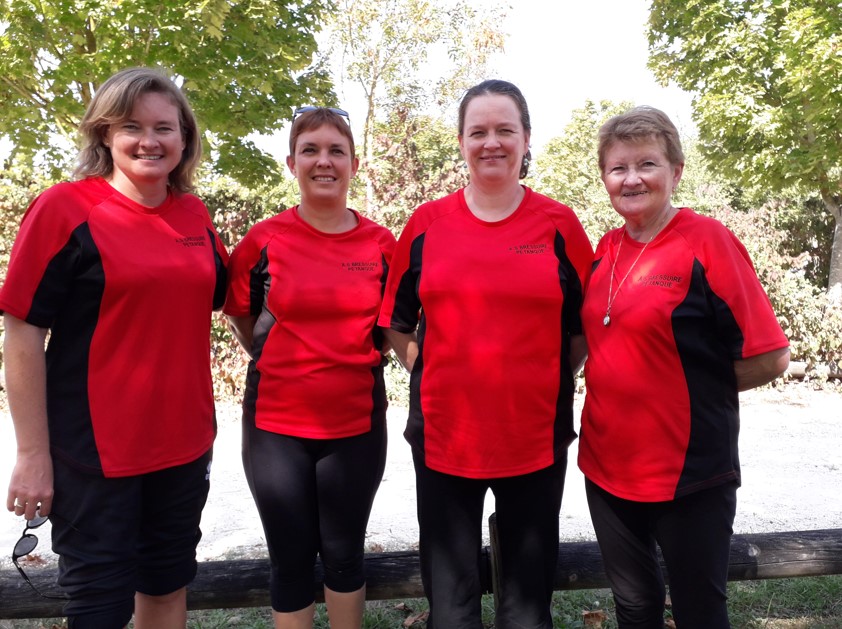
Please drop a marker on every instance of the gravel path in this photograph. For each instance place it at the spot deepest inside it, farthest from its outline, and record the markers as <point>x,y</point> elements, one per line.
<point>791,451</point>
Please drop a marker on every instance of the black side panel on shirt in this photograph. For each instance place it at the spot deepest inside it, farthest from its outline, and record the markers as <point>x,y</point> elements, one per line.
<point>377,332</point>
<point>79,266</point>
<point>571,323</point>
<point>699,323</point>
<point>259,284</point>
<point>407,300</point>
<point>221,274</point>
<point>407,297</point>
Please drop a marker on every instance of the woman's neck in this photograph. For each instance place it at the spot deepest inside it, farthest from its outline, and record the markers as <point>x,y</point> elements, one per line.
<point>493,204</point>
<point>646,232</point>
<point>150,195</point>
<point>328,219</point>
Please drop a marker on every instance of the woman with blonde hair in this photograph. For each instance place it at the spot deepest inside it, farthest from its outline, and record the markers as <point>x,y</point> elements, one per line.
<point>115,423</point>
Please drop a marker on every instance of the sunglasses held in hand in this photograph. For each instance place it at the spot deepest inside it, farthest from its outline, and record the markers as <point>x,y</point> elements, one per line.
<point>25,545</point>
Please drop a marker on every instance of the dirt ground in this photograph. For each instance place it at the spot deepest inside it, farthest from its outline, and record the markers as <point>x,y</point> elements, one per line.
<point>791,452</point>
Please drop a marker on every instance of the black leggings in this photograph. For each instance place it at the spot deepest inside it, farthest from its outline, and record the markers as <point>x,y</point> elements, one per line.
<point>314,497</point>
<point>694,533</point>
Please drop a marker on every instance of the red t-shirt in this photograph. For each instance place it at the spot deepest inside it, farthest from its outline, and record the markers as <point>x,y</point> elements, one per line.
<point>316,355</point>
<point>491,392</point>
<point>127,293</point>
<point>661,414</point>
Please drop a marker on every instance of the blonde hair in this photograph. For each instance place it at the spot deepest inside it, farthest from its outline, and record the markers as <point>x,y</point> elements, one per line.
<point>638,125</point>
<point>114,102</point>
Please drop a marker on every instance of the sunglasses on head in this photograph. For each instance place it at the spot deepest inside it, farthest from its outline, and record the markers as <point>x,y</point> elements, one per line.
<point>25,545</point>
<point>335,110</point>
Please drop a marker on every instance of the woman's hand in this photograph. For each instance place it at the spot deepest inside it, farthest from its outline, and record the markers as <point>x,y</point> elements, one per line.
<point>243,330</point>
<point>405,346</point>
<point>31,485</point>
<point>761,369</point>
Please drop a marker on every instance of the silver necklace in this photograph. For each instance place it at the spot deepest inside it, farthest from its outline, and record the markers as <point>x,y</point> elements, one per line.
<point>607,319</point>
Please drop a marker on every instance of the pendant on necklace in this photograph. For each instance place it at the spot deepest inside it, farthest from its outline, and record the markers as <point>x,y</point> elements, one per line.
<point>606,320</point>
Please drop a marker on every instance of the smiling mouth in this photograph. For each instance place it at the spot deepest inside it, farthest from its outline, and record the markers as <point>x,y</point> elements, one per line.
<point>149,158</point>
<point>634,194</point>
<point>324,179</point>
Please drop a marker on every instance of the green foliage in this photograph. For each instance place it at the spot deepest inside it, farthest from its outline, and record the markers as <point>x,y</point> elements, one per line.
<point>420,164</point>
<point>768,82</point>
<point>809,237</point>
<point>385,48</point>
<point>234,209</point>
<point>810,320</point>
<point>244,64</point>
<point>809,603</point>
<point>567,169</point>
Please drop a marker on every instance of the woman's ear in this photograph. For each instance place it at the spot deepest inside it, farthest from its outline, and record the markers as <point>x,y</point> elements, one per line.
<point>678,170</point>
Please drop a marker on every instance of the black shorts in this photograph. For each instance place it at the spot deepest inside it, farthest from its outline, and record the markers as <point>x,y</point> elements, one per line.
<point>118,536</point>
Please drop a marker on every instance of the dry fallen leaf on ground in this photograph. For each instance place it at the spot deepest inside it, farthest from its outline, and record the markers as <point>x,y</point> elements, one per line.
<point>414,618</point>
<point>594,619</point>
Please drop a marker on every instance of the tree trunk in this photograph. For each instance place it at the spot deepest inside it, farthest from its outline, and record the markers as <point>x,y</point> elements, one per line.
<point>834,284</point>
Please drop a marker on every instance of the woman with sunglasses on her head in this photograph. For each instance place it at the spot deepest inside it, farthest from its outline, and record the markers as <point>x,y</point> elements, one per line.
<point>304,294</point>
<point>115,424</point>
<point>496,273</point>
<point>677,324</point>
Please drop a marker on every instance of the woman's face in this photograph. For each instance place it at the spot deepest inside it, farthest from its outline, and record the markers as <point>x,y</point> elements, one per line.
<point>640,179</point>
<point>148,145</point>
<point>323,164</point>
<point>493,140</point>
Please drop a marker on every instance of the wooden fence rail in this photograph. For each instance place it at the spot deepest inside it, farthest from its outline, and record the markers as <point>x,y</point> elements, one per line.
<point>244,583</point>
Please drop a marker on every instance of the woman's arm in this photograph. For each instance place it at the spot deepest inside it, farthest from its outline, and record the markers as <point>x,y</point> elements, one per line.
<point>31,483</point>
<point>578,352</point>
<point>243,329</point>
<point>405,346</point>
<point>761,369</point>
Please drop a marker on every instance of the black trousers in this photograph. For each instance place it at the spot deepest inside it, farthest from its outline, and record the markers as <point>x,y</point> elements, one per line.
<point>694,533</point>
<point>450,519</point>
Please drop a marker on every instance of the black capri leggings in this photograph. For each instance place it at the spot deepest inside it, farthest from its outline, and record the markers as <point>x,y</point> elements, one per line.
<point>314,497</point>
